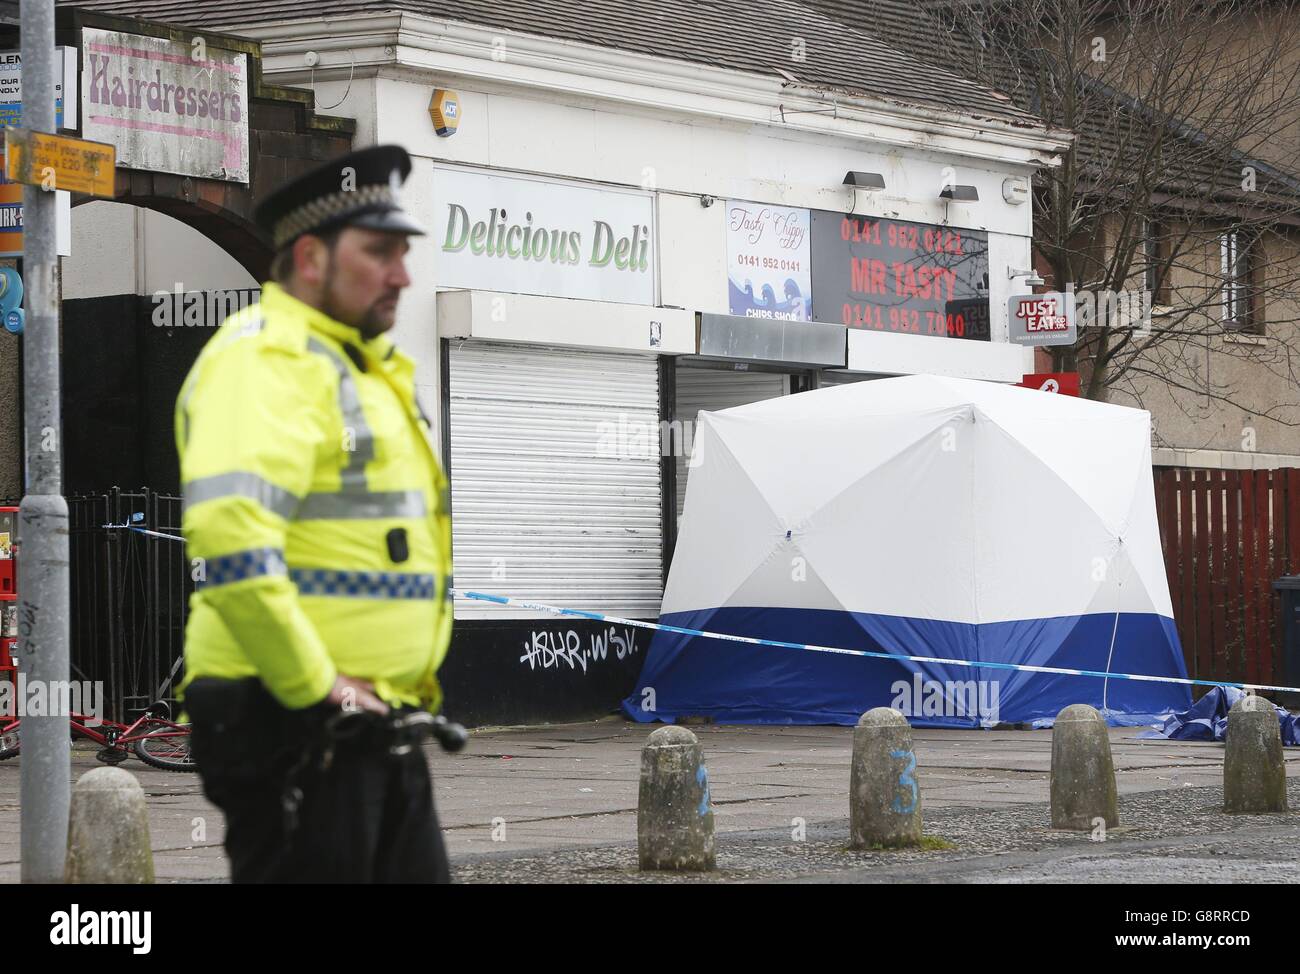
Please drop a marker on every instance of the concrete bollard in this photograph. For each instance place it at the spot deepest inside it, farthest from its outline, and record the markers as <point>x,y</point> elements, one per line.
<point>884,798</point>
<point>1083,774</point>
<point>108,830</point>
<point>1254,774</point>
<point>674,820</point>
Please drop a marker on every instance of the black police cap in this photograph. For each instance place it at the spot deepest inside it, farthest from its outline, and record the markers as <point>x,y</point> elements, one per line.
<point>359,189</point>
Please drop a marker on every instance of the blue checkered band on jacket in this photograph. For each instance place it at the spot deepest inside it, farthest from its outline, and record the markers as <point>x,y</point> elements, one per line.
<point>241,565</point>
<point>364,585</point>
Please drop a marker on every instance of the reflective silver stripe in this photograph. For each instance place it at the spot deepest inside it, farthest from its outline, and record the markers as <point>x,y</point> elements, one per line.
<point>251,327</point>
<point>241,483</point>
<point>351,506</point>
<point>354,420</point>
<point>326,506</point>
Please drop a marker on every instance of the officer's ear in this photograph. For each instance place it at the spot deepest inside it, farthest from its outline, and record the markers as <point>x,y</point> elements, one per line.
<point>311,259</point>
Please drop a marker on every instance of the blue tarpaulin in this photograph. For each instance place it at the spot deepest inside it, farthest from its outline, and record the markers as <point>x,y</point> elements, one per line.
<point>1207,720</point>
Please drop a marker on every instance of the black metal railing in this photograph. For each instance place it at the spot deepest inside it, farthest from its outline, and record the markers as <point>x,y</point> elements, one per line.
<point>129,595</point>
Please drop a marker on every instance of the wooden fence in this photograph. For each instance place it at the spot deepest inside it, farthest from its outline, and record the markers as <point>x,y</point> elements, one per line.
<point>1227,535</point>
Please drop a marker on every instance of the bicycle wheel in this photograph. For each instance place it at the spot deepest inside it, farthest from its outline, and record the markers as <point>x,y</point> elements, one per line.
<point>8,743</point>
<point>165,746</point>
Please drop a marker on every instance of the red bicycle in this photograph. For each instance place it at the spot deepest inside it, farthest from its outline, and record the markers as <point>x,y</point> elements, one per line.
<point>154,738</point>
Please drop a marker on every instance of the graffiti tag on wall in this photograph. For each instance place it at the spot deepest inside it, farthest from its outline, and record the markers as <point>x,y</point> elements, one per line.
<point>547,650</point>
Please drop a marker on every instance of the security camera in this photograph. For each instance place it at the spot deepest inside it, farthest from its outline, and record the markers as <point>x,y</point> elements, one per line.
<point>707,201</point>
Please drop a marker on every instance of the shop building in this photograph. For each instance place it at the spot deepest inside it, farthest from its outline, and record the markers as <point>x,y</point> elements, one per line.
<point>627,227</point>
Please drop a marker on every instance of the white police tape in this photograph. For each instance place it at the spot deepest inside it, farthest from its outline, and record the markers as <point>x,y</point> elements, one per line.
<point>873,654</point>
<point>152,534</point>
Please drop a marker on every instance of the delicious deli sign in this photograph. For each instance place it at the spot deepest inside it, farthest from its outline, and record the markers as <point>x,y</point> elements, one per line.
<point>530,236</point>
<point>863,272</point>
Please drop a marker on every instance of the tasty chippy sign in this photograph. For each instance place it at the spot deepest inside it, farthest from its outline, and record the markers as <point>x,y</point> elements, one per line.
<point>769,261</point>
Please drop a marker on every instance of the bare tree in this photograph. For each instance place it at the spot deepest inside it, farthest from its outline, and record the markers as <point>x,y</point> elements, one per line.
<point>1175,105</point>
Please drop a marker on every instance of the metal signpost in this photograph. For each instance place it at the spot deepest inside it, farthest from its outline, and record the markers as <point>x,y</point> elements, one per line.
<point>43,515</point>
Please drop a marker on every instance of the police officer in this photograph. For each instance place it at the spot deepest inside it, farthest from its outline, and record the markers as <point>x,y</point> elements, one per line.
<point>317,526</point>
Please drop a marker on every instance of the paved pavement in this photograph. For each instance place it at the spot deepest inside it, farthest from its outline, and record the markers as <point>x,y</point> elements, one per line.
<point>558,803</point>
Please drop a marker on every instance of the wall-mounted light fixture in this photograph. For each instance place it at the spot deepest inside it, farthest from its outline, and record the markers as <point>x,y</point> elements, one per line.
<point>962,193</point>
<point>869,181</point>
<point>1031,277</point>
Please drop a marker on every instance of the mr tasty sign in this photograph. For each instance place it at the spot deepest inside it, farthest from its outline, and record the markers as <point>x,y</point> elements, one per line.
<point>532,236</point>
<point>892,275</point>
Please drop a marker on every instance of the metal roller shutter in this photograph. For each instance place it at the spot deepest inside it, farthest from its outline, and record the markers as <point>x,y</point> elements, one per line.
<point>829,377</point>
<point>711,390</point>
<point>554,499</point>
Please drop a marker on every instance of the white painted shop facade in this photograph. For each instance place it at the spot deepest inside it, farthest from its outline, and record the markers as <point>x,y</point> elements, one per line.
<point>572,300</point>
<point>552,377</point>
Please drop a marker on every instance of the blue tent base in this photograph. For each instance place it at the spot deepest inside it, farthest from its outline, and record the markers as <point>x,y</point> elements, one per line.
<point>739,683</point>
<point>1112,719</point>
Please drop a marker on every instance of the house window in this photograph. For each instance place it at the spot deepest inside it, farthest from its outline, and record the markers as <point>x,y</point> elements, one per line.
<point>1241,309</point>
<point>1155,253</point>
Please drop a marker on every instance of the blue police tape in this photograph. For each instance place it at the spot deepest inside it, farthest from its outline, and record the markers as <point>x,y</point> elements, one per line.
<point>1024,667</point>
<point>873,654</point>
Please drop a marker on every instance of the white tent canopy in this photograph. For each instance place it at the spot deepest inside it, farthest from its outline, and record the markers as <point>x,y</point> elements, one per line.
<point>919,515</point>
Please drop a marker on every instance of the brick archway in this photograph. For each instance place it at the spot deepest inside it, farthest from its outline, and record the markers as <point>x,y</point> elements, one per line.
<point>285,139</point>
<point>121,373</point>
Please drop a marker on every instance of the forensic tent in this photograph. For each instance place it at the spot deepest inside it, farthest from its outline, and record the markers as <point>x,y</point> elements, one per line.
<point>924,516</point>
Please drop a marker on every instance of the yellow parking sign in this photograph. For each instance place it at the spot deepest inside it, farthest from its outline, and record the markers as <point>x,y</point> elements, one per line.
<point>59,162</point>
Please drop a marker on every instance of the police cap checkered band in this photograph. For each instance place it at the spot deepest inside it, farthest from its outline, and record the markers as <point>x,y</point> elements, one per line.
<point>359,188</point>
<point>335,208</point>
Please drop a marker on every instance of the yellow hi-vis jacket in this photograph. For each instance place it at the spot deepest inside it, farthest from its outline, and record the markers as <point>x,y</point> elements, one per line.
<point>316,512</point>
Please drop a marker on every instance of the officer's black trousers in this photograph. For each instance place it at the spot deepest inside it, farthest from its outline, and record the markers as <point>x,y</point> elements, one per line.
<point>366,818</point>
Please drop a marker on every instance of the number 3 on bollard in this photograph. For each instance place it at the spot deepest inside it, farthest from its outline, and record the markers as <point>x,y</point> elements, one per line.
<point>905,779</point>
